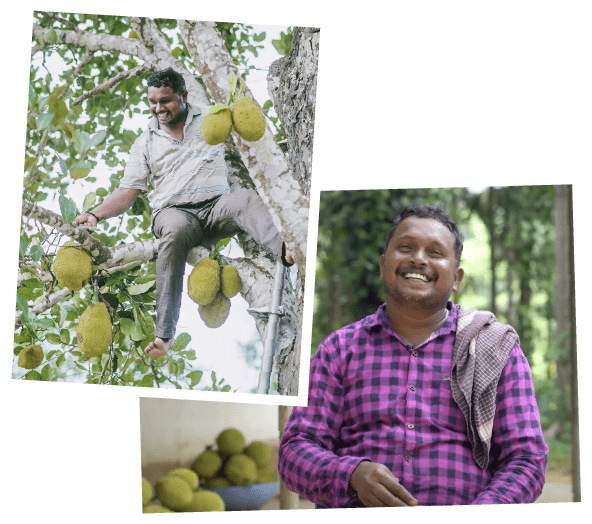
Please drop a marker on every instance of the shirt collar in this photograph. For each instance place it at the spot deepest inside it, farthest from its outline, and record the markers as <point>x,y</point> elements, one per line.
<point>192,112</point>
<point>380,318</point>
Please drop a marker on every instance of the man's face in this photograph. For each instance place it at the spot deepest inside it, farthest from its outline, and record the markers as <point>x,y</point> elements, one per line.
<point>167,107</point>
<point>419,265</point>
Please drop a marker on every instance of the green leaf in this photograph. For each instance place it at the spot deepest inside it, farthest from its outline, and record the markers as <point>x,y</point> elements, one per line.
<point>79,172</point>
<point>65,336</point>
<point>102,192</point>
<point>52,338</point>
<point>131,329</point>
<point>68,208</point>
<point>190,355</point>
<point>138,289</point>
<point>195,377</point>
<point>181,342</point>
<point>43,121</point>
<point>177,52</point>
<point>89,201</point>
<point>33,375</point>
<point>147,381</point>
<point>225,388</point>
<point>260,37</point>
<point>21,303</point>
<point>98,138</point>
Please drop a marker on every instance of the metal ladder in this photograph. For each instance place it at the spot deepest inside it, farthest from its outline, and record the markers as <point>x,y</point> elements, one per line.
<point>272,314</point>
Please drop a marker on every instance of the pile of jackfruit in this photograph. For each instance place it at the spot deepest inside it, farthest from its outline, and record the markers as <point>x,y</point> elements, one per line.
<point>240,112</point>
<point>230,463</point>
<point>211,286</point>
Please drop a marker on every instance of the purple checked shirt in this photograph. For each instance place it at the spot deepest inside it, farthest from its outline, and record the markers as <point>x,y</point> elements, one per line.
<point>373,397</point>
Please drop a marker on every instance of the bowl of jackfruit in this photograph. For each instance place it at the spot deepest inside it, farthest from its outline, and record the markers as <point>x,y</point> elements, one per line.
<point>227,476</point>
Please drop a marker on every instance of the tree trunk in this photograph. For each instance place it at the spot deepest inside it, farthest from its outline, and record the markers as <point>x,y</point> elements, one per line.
<point>292,84</point>
<point>565,316</point>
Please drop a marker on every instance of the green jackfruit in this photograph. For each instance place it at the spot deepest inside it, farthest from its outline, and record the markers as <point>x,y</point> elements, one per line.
<point>187,475</point>
<point>204,281</point>
<point>248,120</point>
<point>230,281</point>
<point>231,441</point>
<point>215,313</point>
<point>217,126</point>
<point>147,491</point>
<point>30,357</point>
<point>266,475</point>
<point>204,500</point>
<point>207,464</point>
<point>241,470</point>
<point>72,266</point>
<point>156,508</point>
<point>259,452</point>
<point>94,331</point>
<point>173,492</point>
<point>217,482</point>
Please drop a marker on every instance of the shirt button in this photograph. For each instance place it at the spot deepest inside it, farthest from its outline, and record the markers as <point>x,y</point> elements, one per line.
<point>407,458</point>
<point>415,353</point>
<point>410,426</point>
<point>412,388</point>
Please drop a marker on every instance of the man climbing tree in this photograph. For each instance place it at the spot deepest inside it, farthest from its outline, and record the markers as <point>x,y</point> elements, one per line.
<point>191,199</point>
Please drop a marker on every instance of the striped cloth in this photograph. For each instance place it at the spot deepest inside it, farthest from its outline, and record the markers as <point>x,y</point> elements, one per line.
<point>480,354</point>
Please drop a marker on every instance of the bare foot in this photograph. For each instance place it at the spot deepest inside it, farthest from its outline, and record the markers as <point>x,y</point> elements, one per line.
<point>289,258</point>
<point>158,348</point>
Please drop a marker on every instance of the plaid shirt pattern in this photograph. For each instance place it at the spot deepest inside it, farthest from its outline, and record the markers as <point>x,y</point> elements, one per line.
<point>372,397</point>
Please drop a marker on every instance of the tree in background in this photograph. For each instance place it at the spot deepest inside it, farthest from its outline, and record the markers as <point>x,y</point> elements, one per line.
<point>76,122</point>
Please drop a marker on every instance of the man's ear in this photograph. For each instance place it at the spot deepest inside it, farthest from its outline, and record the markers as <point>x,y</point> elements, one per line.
<point>184,95</point>
<point>458,276</point>
<point>381,265</point>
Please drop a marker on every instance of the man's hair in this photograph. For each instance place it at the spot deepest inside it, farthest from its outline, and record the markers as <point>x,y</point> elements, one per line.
<point>436,213</point>
<point>168,78</point>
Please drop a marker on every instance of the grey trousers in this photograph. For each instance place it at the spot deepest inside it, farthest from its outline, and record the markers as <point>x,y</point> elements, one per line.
<point>183,227</point>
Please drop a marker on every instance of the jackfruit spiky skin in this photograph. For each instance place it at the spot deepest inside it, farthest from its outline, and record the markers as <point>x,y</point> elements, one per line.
<point>216,127</point>
<point>266,475</point>
<point>187,475</point>
<point>156,508</point>
<point>247,119</point>
<point>215,313</point>
<point>173,492</point>
<point>72,266</point>
<point>217,482</point>
<point>230,282</point>
<point>207,464</point>
<point>94,331</point>
<point>231,442</point>
<point>30,357</point>
<point>204,281</point>
<point>147,491</point>
<point>259,452</point>
<point>204,500</point>
<point>241,470</point>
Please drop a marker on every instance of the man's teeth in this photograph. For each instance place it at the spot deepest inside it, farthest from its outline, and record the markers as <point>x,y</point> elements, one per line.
<point>416,275</point>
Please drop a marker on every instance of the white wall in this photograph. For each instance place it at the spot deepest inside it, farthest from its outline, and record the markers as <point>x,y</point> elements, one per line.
<point>175,431</point>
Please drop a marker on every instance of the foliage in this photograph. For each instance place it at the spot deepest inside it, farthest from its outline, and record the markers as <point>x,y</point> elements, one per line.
<point>66,144</point>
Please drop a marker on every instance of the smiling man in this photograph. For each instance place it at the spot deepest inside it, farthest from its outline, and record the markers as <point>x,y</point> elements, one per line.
<point>190,197</point>
<point>422,403</point>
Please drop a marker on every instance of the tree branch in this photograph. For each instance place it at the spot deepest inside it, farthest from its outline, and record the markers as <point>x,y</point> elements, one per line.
<point>111,82</point>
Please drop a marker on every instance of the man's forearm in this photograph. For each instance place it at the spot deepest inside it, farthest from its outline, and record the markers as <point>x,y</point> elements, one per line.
<point>116,203</point>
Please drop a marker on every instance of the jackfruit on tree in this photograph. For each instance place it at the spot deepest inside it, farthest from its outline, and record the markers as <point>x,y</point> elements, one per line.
<point>147,491</point>
<point>173,492</point>
<point>215,313</point>
<point>230,281</point>
<point>187,475</point>
<point>247,119</point>
<point>30,357</point>
<point>207,464</point>
<point>217,126</point>
<point>240,470</point>
<point>231,441</point>
<point>72,266</point>
<point>260,452</point>
<point>94,331</point>
<point>204,281</point>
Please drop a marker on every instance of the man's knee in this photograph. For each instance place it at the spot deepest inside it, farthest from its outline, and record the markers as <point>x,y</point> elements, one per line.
<point>178,229</point>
